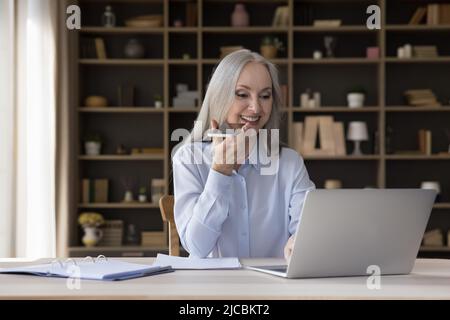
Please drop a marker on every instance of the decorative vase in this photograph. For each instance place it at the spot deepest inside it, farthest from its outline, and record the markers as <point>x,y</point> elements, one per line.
<point>92,148</point>
<point>128,196</point>
<point>134,49</point>
<point>92,236</point>
<point>268,51</point>
<point>158,104</point>
<point>355,100</point>
<point>239,18</point>
<point>142,198</point>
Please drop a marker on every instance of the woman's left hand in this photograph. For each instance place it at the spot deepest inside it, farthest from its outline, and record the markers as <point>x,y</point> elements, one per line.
<point>288,248</point>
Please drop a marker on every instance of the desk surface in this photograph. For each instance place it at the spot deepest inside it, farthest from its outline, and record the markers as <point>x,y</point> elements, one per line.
<point>430,279</point>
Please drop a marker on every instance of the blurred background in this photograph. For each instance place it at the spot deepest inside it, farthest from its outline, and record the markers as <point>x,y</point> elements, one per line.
<point>92,90</point>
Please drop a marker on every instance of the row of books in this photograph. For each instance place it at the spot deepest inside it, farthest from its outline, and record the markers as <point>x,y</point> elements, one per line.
<point>433,14</point>
<point>319,136</point>
<point>421,97</point>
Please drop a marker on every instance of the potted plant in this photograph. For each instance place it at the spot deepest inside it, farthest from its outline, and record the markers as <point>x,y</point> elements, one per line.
<point>158,101</point>
<point>93,144</point>
<point>90,221</point>
<point>142,194</point>
<point>356,97</point>
<point>270,46</point>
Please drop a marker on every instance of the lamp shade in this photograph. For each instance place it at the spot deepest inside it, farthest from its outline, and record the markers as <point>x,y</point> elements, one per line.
<point>357,131</point>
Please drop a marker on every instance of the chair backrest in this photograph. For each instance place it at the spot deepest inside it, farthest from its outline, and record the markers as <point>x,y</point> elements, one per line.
<point>166,204</point>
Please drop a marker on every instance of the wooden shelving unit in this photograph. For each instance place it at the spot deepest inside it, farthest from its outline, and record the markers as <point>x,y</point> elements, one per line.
<point>385,78</point>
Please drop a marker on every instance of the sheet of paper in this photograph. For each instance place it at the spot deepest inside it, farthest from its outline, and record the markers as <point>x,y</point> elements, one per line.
<point>197,263</point>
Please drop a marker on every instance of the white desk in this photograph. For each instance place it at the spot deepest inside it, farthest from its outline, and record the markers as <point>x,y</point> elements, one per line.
<point>430,279</point>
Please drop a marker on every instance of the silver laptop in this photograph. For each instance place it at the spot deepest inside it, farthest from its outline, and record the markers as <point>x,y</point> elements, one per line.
<point>344,232</point>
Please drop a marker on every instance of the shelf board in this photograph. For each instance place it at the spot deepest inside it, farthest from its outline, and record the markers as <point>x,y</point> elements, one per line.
<point>422,27</point>
<point>434,249</point>
<point>184,61</point>
<point>356,60</point>
<point>183,110</point>
<point>356,28</point>
<point>275,61</point>
<point>442,205</point>
<point>229,29</point>
<point>146,109</point>
<point>118,248</point>
<point>183,29</point>
<point>417,157</point>
<point>416,109</point>
<point>122,62</point>
<point>417,60</point>
<point>118,205</point>
<point>120,30</point>
<point>341,158</point>
<point>335,109</point>
<point>143,157</point>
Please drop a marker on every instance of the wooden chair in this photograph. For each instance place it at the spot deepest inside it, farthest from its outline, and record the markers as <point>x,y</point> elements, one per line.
<point>166,204</point>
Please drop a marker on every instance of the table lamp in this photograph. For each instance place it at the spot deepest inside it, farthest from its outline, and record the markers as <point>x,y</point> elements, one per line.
<point>357,132</point>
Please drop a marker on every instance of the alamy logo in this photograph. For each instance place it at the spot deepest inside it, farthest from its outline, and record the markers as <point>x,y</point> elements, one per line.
<point>374,20</point>
<point>73,21</point>
<point>374,280</point>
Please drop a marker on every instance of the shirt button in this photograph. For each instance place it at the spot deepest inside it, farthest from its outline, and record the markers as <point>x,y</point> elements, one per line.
<point>244,206</point>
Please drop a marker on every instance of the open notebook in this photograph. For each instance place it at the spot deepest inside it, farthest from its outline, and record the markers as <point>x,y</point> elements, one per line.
<point>99,268</point>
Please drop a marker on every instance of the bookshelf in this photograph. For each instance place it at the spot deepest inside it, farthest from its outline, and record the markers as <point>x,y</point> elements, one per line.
<point>385,79</point>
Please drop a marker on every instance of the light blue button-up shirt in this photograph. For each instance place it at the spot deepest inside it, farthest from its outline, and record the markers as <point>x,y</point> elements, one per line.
<point>247,214</point>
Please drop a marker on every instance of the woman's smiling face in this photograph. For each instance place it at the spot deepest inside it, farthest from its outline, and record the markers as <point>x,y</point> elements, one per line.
<point>253,99</point>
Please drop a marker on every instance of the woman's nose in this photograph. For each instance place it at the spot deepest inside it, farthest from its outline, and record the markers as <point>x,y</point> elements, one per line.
<point>254,105</point>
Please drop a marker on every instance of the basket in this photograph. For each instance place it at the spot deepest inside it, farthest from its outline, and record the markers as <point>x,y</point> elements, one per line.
<point>146,21</point>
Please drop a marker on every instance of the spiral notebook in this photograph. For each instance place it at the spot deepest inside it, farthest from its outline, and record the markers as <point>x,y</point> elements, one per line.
<point>100,268</point>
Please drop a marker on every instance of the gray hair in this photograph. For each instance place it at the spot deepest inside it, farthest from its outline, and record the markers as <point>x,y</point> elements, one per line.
<point>221,91</point>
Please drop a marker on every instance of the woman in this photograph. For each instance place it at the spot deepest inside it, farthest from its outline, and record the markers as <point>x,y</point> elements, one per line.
<point>225,209</point>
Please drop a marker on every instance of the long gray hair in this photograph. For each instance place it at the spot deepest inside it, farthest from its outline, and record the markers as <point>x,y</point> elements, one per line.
<point>221,92</point>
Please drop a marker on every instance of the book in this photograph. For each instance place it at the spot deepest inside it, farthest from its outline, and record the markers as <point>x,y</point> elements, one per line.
<point>433,14</point>
<point>191,14</point>
<point>326,132</point>
<point>284,95</point>
<point>281,17</point>
<point>327,23</point>
<point>297,128</point>
<point>94,190</point>
<point>100,48</point>
<point>310,135</point>
<point>90,269</point>
<point>339,139</point>
<point>418,15</point>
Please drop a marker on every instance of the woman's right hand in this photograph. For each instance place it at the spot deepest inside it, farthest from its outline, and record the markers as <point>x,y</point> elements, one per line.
<point>226,157</point>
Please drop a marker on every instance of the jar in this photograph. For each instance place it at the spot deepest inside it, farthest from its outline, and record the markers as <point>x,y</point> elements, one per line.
<point>239,18</point>
<point>134,49</point>
<point>158,189</point>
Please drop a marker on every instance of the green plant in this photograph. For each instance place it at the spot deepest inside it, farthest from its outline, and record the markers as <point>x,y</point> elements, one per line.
<point>272,41</point>
<point>357,89</point>
<point>157,97</point>
<point>93,137</point>
<point>143,190</point>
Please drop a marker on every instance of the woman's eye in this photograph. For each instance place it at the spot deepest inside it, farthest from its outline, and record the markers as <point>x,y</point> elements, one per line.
<point>265,97</point>
<point>241,95</point>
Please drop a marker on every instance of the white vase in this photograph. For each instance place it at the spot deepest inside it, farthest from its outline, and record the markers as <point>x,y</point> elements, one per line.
<point>92,236</point>
<point>158,104</point>
<point>355,100</point>
<point>92,148</point>
<point>142,198</point>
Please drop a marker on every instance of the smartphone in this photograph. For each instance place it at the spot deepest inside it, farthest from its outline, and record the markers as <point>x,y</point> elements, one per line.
<point>225,130</point>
